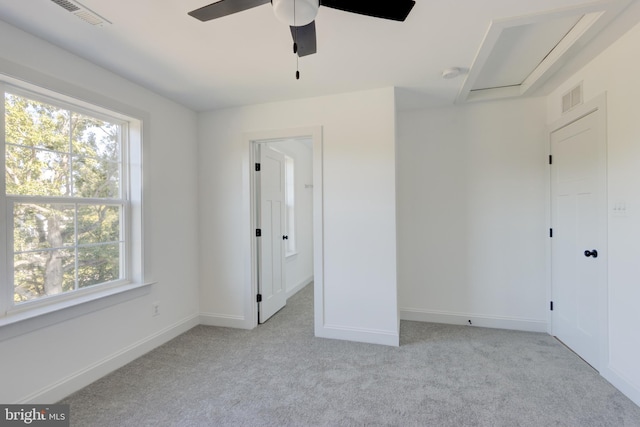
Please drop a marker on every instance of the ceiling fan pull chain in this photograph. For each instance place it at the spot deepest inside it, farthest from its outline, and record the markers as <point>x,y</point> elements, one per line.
<point>295,42</point>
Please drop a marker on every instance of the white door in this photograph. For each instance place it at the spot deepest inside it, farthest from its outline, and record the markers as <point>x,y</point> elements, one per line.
<point>578,243</point>
<point>271,285</point>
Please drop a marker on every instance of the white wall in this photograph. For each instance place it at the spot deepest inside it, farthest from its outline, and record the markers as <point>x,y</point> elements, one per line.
<point>299,266</point>
<point>359,238</point>
<point>616,72</point>
<point>472,229</point>
<point>49,363</point>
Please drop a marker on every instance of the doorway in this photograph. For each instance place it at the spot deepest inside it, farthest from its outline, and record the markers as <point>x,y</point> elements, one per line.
<point>579,233</point>
<point>285,207</point>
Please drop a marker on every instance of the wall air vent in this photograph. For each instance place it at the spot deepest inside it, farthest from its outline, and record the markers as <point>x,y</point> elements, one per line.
<point>82,12</point>
<point>572,98</point>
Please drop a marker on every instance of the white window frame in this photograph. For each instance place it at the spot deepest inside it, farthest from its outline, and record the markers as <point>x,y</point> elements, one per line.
<point>71,304</point>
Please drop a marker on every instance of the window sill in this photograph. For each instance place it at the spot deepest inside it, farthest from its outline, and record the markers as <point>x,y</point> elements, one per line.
<point>28,320</point>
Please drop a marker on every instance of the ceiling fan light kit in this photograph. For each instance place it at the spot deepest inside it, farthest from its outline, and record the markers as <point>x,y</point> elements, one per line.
<point>296,13</point>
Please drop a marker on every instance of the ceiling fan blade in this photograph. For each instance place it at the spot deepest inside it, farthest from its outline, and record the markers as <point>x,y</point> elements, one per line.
<point>305,38</point>
<point>397,10</point>
<point>224,7</point>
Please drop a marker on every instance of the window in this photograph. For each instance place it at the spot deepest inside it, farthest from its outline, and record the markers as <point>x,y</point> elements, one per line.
<point>289,194</point>
<point>71,183</point>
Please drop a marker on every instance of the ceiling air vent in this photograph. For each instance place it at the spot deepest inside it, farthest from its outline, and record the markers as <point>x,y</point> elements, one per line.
<point>66,4</point>
<point>82,12</point>
<point>572,99</point>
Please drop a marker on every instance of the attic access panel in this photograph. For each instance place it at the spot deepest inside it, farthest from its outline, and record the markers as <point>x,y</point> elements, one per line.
<point>519,50</point>
<point>519,54</point>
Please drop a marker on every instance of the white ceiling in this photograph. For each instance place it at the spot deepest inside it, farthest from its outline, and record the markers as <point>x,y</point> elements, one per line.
<point>246,58</point>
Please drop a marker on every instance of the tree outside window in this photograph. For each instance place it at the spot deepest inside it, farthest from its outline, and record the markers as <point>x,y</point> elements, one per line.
<point>64,180</point>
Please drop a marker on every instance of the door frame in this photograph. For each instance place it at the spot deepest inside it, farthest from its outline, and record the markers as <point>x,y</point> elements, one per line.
<point>598,106</point>
<point>249,192</point>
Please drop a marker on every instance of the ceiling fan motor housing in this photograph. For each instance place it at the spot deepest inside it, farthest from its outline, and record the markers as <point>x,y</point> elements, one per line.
<point>296,13</point>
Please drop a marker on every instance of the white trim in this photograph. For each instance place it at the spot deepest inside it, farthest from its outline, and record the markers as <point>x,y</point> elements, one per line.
<point>225,321</point>
<point>481,320</point>
<point>297,288</point>
<point>6,223</point>
<point>617,380</point>
<point>578,36</point>
<point>250,267</point>
<point>492,93</point>
<point>36,318</point>
<point>369,336</point>
<point>83,377</point>
<point>318,232</point>
<point>595,16</point>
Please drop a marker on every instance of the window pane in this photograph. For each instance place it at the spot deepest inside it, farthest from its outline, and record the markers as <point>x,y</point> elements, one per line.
<point>55,152</point>
<point>96,149</point>
<point>43,273</point>
<point>36,172</point>
<point>96,178</point>
<point>35,124</point>
<point>42,226</point>
<point>96,138</point>
<point>98,264</point>
<point>98,224</point>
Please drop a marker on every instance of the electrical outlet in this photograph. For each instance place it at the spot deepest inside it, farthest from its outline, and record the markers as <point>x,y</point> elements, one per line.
<point>155,309</point>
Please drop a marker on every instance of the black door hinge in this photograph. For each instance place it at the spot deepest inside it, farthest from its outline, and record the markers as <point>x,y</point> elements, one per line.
<point>258,232</point>
<point>551,232</point>
<point>550,159</point>
<point>551,305</point>
<point>257,167</point>
<point>259,298</point>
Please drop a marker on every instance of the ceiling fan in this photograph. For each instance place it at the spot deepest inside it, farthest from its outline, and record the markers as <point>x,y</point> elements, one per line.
<point>300,14</point>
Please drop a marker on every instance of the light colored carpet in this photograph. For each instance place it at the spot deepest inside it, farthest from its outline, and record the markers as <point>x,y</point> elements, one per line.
<point>280,375</point>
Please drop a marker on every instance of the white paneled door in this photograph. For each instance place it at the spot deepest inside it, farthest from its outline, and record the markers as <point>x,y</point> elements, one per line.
<point>578,243</point>
<point>271,278</point>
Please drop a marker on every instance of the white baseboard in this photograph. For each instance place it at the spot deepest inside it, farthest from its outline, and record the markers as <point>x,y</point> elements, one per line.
<point>618,381</point>
<point>370,336</point>
<point>294,290</point>
<point>82,378</point>
<point>483,321</point>
<point>224,321</point>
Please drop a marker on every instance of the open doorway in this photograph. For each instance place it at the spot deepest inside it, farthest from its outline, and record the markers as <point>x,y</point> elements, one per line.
<point>283,204</point>
<point>285,207</point>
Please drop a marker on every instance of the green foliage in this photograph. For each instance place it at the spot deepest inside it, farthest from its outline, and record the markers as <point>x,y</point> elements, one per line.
<point>55,152</point>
